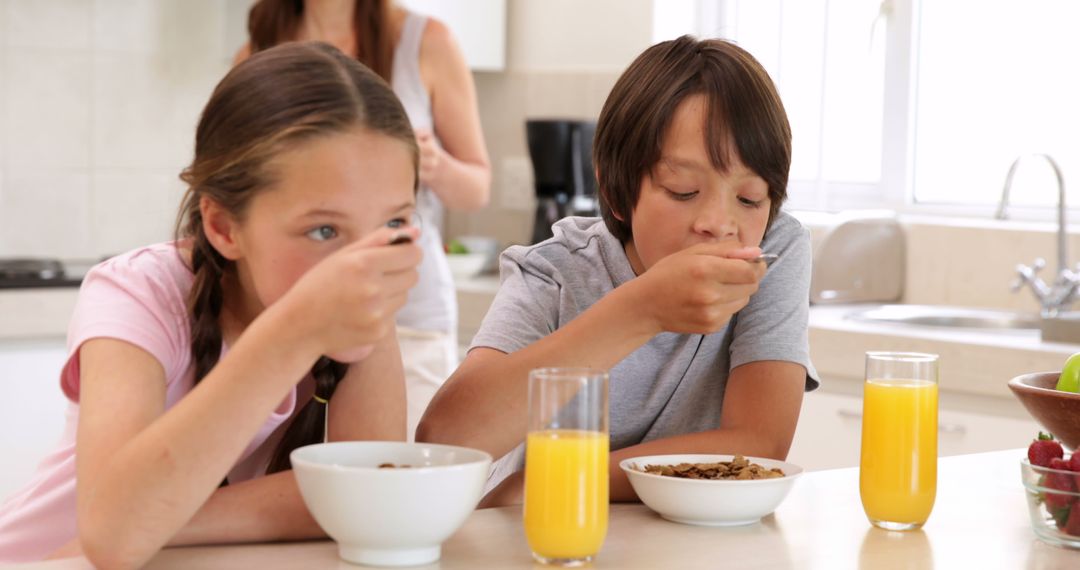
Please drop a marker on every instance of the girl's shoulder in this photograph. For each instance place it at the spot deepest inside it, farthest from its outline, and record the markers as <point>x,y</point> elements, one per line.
<point>157,276</point>
<point>169,260</point>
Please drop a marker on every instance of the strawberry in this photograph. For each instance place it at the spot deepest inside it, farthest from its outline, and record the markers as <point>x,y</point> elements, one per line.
<point>1043,450</point>
<point>1059,482</point>
<point>1074,462</point>
<point>1072,526</point>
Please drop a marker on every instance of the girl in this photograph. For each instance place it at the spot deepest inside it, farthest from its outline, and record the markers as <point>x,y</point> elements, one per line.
<point>196,366</point>
<point>418,56</point>
<point>708,352</point>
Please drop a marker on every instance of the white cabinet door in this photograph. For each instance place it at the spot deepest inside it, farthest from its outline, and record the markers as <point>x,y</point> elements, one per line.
<point>478,25</point>
<point>32,407</point>
<point>830,432</point>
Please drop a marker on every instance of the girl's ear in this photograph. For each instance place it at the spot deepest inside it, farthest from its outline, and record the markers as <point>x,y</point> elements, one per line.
<point>220,228</point>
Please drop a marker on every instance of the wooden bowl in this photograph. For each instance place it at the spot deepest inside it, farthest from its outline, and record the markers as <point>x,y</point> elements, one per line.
<point>1057,411</point>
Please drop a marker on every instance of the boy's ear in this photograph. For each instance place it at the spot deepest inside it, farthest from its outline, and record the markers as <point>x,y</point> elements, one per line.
<point>600,191</point>
<point>220,228</point>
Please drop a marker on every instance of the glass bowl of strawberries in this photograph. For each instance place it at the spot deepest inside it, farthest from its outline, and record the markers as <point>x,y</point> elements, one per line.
<point>1052,481</point>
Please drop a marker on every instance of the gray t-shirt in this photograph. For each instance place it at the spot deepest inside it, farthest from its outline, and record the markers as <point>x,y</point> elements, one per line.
<point>675,383</point>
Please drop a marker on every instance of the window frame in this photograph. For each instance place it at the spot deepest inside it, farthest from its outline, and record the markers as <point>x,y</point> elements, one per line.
<point>895,189</point>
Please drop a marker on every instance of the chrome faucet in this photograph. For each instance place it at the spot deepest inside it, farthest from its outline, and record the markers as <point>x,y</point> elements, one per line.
<point>1063,291</point>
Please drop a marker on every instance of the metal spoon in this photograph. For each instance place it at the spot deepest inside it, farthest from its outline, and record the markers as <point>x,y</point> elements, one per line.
<point>767,258</point>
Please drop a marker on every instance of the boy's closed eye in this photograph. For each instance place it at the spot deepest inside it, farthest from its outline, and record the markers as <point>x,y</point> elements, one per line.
<point>681,195</point>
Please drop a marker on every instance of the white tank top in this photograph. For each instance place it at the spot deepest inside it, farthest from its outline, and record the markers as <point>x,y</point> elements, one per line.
<point>432,303</point>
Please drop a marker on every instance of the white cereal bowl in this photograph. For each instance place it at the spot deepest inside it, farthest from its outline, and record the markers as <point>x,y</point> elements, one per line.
<point>709,502</point>
<point>466,265</point>
<point>395,516</point>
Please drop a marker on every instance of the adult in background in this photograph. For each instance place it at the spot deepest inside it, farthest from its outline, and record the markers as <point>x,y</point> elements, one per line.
<point>420,59</point>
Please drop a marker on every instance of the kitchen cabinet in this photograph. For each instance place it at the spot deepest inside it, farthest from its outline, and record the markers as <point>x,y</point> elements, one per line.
<point>32,409</point>
<point>830,430</point>
<point>479,26</point>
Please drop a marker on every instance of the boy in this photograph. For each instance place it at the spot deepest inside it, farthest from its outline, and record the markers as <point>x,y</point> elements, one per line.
<point>707,350</point>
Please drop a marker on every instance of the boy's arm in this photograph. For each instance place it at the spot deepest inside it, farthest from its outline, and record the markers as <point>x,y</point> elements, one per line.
<point>761,408</point>
<point>484,404</point>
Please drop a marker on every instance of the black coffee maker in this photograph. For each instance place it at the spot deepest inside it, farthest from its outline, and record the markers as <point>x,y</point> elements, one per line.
<point>561,152</point>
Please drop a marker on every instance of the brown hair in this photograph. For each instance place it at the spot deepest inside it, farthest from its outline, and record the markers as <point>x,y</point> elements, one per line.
<point>272,22</point>
<point>743,107</point>
<point>273,101</point>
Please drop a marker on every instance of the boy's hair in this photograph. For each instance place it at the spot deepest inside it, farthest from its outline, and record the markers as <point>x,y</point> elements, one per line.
<point>743,108</point>
<point>274,101</point>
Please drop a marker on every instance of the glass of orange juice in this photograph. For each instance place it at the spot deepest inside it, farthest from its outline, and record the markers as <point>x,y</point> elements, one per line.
<point>898,465</point>
<point>566,465</point>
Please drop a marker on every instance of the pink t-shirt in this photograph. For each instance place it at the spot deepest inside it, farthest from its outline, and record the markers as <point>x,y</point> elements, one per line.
<point>139,297</point>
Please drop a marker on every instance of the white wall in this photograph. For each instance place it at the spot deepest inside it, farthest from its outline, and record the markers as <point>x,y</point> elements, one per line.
<point>563,56</point>
<point>98,105</point>
<point>577,35</point>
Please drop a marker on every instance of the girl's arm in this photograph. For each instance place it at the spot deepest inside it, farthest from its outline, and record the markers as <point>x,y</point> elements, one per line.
<point>142,473</point>
<point>460,174</point>
<point>761,408</point>
<point>369,404</point>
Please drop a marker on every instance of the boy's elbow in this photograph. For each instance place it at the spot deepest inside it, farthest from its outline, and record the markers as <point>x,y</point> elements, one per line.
<point>430,430</point>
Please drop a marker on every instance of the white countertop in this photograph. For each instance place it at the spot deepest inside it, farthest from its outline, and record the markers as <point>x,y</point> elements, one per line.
<point>974,362</point>
<point>980,520</point>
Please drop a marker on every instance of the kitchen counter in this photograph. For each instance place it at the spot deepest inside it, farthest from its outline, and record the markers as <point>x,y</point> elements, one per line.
<point>980,520</point>
<point>976,364</point>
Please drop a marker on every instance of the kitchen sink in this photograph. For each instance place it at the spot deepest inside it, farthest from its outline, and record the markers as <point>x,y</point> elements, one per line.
<point>948,317</point>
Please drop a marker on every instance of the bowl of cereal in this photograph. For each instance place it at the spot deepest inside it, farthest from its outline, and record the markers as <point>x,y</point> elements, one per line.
<point>710,490</point>
<point>390,503</point>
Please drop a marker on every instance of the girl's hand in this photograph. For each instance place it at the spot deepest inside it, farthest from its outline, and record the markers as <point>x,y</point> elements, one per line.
<point>430,156</point>
<point>698,289</point>
<point>349,300</point>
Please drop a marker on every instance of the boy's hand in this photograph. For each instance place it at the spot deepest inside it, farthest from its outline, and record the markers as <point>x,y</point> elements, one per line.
<point>511,491</point>
<point>350,299</point>
<point>698,289</point>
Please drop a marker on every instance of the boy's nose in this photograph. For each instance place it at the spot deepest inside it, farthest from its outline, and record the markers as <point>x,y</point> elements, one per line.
<point>715,221</point>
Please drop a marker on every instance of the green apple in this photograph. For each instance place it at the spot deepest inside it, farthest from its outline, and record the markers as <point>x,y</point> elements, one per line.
<point>1069,381</point>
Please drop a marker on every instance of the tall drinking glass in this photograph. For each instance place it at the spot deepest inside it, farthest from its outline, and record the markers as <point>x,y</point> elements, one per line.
<point>898,465</point>
<point>566,465</point>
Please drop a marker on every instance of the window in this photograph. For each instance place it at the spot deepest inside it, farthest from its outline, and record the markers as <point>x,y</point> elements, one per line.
<point>917,106</point>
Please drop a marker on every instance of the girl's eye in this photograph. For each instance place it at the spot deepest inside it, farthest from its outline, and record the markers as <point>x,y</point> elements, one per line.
<point>750,203</point>
<point>682,196</point>
<point>410,221</point>
<point>322,233</point>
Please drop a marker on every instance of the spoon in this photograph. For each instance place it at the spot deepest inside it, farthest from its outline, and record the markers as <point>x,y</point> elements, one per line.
<point>767,258</point>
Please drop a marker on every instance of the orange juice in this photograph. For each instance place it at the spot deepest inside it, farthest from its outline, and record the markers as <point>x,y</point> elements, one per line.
<point>566,492</point>
<point>898,468</point>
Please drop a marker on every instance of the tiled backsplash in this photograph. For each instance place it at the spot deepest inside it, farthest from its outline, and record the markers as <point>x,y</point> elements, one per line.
<point>506,100</point>
<point>98,105</point>
<point>969,262</point>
